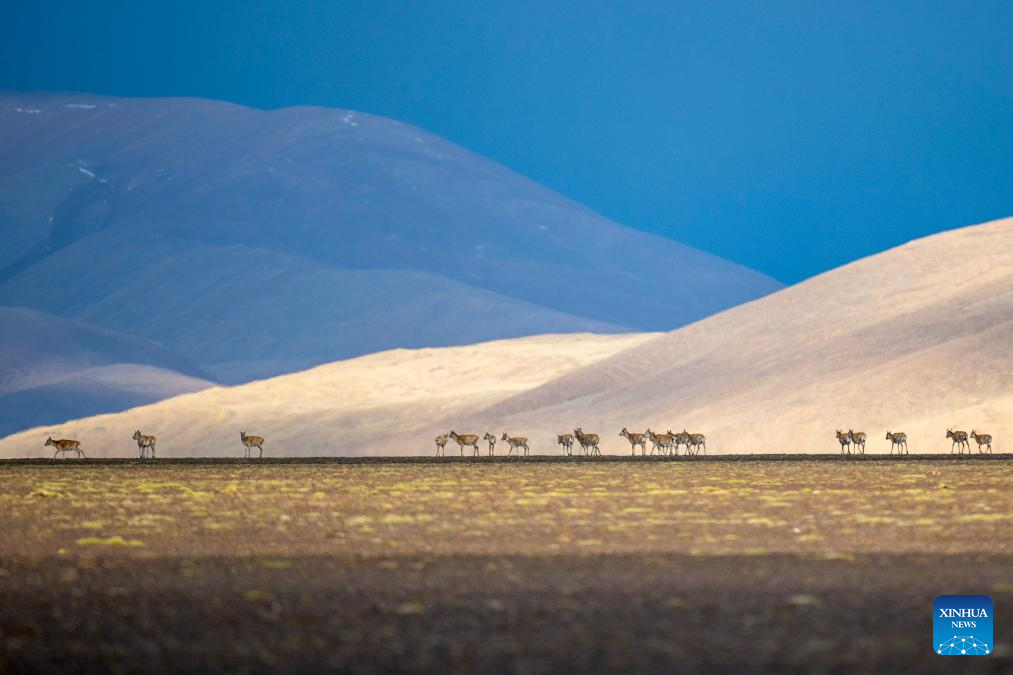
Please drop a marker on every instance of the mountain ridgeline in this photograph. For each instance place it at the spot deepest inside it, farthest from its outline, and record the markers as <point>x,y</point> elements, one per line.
<point>254,243</point>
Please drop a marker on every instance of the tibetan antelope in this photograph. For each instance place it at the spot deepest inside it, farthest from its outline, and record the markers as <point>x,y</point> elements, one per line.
<point>588,442</point>
<point>465,439</point>
<point>66,445</point>
<point>959,440</point>
<point>441,445</point>
<point>635,439</point>
<point>144,443</point>
<point>252,442</point>
<point>682,438</point>
<point>489,438</point>
<point>982,439</point>
<point>660,442</point>
<point>674,446</point>
<point>668,442</point>
<point>566,440</point>
<point>858,438</point>
<point>697,441</point>
<point>897,439</point>
<point>517,442</point>
<point>845,440</point>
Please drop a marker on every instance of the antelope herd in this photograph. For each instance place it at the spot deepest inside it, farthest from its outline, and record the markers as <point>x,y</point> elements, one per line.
<point>145,445</point>
<point>857,439</point>
<point>667,443</point>
<point>898,441</point>
<point>663,444</point>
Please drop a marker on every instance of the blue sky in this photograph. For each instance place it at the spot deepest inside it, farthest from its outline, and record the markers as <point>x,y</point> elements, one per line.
<point>789,136</point>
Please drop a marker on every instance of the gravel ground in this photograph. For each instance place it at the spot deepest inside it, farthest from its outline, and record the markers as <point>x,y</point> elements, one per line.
<point>530,567</point>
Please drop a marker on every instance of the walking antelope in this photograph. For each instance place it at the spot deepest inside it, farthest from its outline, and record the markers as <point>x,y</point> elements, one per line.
<point>635,439</point>
<point>982,439</point>
<point>588,442</point>
<point>517,442</point>
<point>845,440</point>
<point>144,442</point>
<point>566,440</point>
<point>897,439</point>
<point>959,440</point>
<point>441,445</point>
<point>252,442</point>
<point>492,443</point>
<point>66,445</point>
<point>649,435</point>
<point>660,442</point>
<point>697,441</point>
<point>858,438</point>
<point>465,439</point>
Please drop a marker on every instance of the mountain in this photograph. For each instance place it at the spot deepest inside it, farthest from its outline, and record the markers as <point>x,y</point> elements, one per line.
<point>338,407</point>
<point>255,243</point>
<point>916,339</point>
<point>53,369</point>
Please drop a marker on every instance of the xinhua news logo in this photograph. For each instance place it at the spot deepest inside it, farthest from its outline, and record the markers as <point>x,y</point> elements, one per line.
<point>962,625</point>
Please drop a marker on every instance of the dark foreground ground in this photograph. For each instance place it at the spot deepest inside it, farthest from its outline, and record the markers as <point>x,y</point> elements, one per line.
<point>531,567</point>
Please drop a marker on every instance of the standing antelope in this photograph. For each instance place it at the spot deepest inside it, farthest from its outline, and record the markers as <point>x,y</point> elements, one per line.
<point>252,442</point>
<point>66,445</point>
<point>845,440</point>
<point>897,439</point>
<point>858,438</point>
<point>959,440</point>
<point>465,439</point>
<point>516,442</point>
<point>566,440</point>
<point>635,439</point>
<point>682,439</point>
<point>982,439</point>
<point>441,445</point>
<point>144,442</point>
<point>492,443</point>
<point>698,441</point>
<point>588,442</point>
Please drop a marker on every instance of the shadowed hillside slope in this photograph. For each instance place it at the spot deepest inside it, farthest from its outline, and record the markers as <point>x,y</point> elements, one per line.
<point>259,242</point>
<point>53,369</point>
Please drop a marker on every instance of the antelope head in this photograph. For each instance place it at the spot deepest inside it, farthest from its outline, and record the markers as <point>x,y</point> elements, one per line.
<point>49,441</point>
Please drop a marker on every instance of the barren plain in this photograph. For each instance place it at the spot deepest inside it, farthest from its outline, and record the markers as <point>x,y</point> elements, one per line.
<point>463,566</point>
